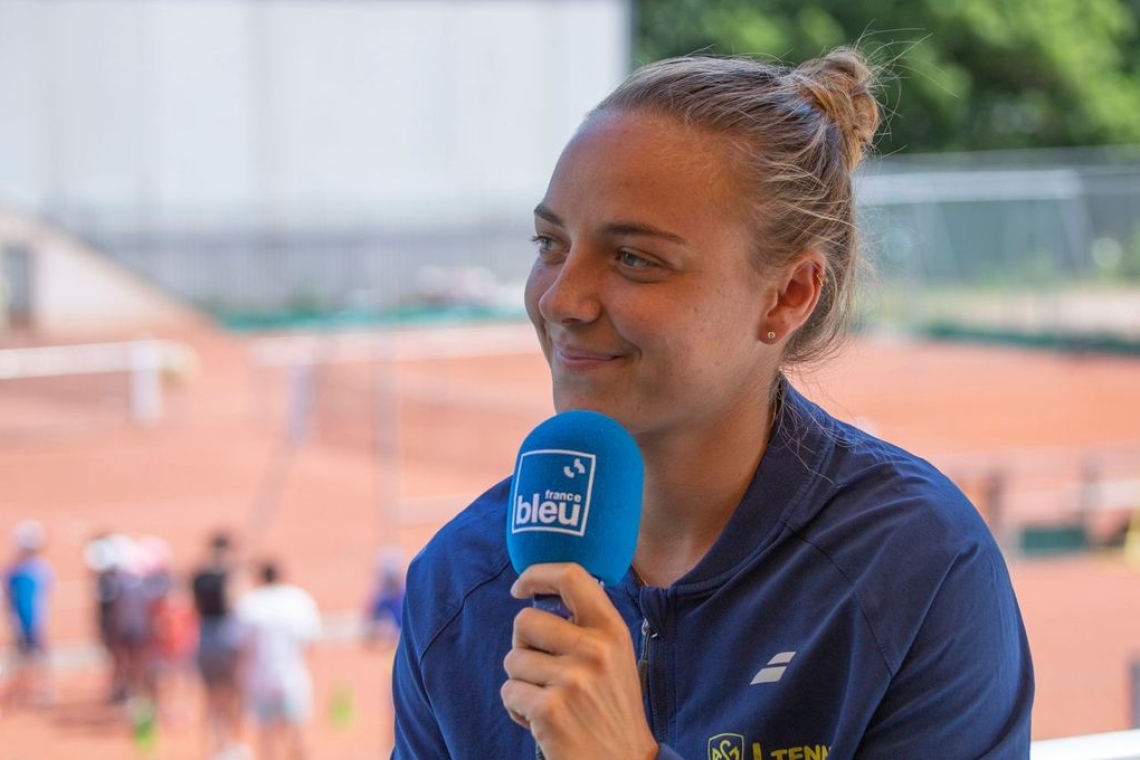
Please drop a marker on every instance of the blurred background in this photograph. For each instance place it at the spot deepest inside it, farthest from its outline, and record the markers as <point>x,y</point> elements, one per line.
<point>261,268</point>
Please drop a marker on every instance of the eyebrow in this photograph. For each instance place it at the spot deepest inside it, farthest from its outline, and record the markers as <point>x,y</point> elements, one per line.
<point>616,228</point>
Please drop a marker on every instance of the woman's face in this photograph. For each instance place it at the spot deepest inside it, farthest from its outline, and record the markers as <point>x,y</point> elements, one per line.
<point>644,297</point>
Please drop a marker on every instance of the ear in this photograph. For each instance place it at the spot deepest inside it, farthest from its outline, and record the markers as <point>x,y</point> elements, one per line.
<point>796,296</point>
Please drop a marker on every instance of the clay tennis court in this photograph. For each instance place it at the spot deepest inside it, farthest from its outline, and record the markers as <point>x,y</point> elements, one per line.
<point>406,427</point>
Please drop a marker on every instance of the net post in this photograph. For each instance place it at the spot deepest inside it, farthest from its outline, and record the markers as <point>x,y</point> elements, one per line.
<point>145,381</point>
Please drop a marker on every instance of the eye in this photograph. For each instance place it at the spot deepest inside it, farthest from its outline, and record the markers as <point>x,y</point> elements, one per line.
<point>543,243</point>
<point>638,267</point>
<point>633,261</point>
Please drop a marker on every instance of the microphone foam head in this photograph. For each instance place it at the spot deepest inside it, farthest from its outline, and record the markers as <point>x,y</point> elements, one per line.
<point>576,495</point>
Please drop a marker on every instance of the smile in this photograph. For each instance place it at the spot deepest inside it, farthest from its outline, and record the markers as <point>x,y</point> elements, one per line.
<point>579,358</point>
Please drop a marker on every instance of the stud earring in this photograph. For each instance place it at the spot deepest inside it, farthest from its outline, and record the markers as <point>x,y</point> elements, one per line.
<point>771,336</point>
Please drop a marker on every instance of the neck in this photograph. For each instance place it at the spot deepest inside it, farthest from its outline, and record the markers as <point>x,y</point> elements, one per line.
<point>693,484</point>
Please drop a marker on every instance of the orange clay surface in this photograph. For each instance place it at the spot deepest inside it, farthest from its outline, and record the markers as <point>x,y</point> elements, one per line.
<point>397,446</point>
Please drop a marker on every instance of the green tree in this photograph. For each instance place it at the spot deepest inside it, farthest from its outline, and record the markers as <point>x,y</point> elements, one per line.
<point>962,74</point>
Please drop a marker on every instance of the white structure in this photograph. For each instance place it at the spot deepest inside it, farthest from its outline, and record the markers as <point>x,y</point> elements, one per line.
<point>258,154</point>
<point>1118,745</point>
<point>236,112</point>
<point>55,283</point>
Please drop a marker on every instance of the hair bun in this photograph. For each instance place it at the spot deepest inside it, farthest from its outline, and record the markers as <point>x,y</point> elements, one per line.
<point>841,85</point>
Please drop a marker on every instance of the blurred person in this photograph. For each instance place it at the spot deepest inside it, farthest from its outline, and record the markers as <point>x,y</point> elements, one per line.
<point>172,626</point>
<point>799,586</point>
<point>385,608</point>
<point>279,622</point>
<point>218,646</point>
<point>108,557</point>
<point>27,586</point>
<point>384,615</point>
<point>145,582</point>
<point>176,642</point>
<point>131,621</point>
<point>104,556</point>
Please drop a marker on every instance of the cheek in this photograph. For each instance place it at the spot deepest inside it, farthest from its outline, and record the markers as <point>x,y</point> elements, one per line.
<point>713,331</point>
<point>736,310</point>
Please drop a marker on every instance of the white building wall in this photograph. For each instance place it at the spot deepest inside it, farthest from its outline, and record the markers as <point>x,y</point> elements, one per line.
<point>233,112</point>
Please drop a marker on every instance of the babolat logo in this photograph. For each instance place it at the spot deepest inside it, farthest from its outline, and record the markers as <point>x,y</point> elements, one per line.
<point>552,491</point>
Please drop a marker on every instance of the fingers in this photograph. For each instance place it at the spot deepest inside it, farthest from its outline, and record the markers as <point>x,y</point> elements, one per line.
<point>573,683</point>
<point>534,708</point>
<point>520,699</point>
<point>530,663</point>
<point>540,689</point>
<point>509,699</point>
<point>549,578</point>
<point>550,651</point>
<point>581,593</point>
<point>544,631</point>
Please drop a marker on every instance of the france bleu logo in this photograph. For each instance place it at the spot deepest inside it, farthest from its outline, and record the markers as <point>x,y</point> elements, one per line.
<point>552,491</point>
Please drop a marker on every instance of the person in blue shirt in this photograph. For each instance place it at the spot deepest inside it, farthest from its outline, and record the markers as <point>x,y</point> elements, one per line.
<point>800,589</point>
<point>27,587</point>
<point>385,608</point>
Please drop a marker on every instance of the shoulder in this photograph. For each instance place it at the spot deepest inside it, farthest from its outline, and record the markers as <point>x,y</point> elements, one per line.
<point>205,575</point>
<point>297,595</point>
<point>301,609</point>
<point>43,567</point>
<point>860,483</point>
<point>470,545</point>
<point>466,554</point>
<point>30,571</point>
<point>901,533</point>
<point>251,602</point>
<point>893,496</point>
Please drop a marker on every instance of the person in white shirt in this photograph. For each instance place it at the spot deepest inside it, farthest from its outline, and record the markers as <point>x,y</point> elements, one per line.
<point>278,623</point>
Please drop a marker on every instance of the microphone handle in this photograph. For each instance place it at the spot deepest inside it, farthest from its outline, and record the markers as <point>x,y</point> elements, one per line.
<point>551,603</point>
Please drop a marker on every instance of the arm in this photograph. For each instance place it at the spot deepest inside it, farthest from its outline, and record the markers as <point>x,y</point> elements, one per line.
<point>417,733</point>
<point>966,684</point>
<point>574,683</point>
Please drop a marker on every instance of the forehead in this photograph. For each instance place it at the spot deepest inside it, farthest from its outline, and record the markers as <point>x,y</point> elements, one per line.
<point>635,163</point>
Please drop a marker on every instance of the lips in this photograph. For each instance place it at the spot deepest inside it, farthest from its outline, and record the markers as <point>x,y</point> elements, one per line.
<point>580,354</point>
<point>580,357</point>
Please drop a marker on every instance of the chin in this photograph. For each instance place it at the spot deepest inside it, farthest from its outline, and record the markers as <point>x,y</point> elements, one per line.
<point>565,402</point>
<point>566,405</point>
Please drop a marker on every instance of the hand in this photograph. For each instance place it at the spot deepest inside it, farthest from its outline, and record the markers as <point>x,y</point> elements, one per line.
<point>574,683</point>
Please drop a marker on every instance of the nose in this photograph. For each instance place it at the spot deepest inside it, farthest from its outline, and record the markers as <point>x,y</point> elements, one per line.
<point>570,291</point>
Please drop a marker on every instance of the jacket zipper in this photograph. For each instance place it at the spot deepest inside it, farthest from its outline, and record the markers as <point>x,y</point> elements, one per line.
<point>653,708</point>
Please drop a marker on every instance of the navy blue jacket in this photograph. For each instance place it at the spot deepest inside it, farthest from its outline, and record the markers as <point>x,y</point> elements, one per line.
<point>856,606</point>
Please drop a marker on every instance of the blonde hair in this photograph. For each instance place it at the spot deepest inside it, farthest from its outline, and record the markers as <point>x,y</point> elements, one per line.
<point>795,136</point>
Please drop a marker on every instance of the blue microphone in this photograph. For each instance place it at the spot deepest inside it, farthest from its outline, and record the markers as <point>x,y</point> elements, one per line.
<point>576,497</point>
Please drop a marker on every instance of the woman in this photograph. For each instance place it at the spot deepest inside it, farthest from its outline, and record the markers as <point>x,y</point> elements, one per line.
<point>800,589</point>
